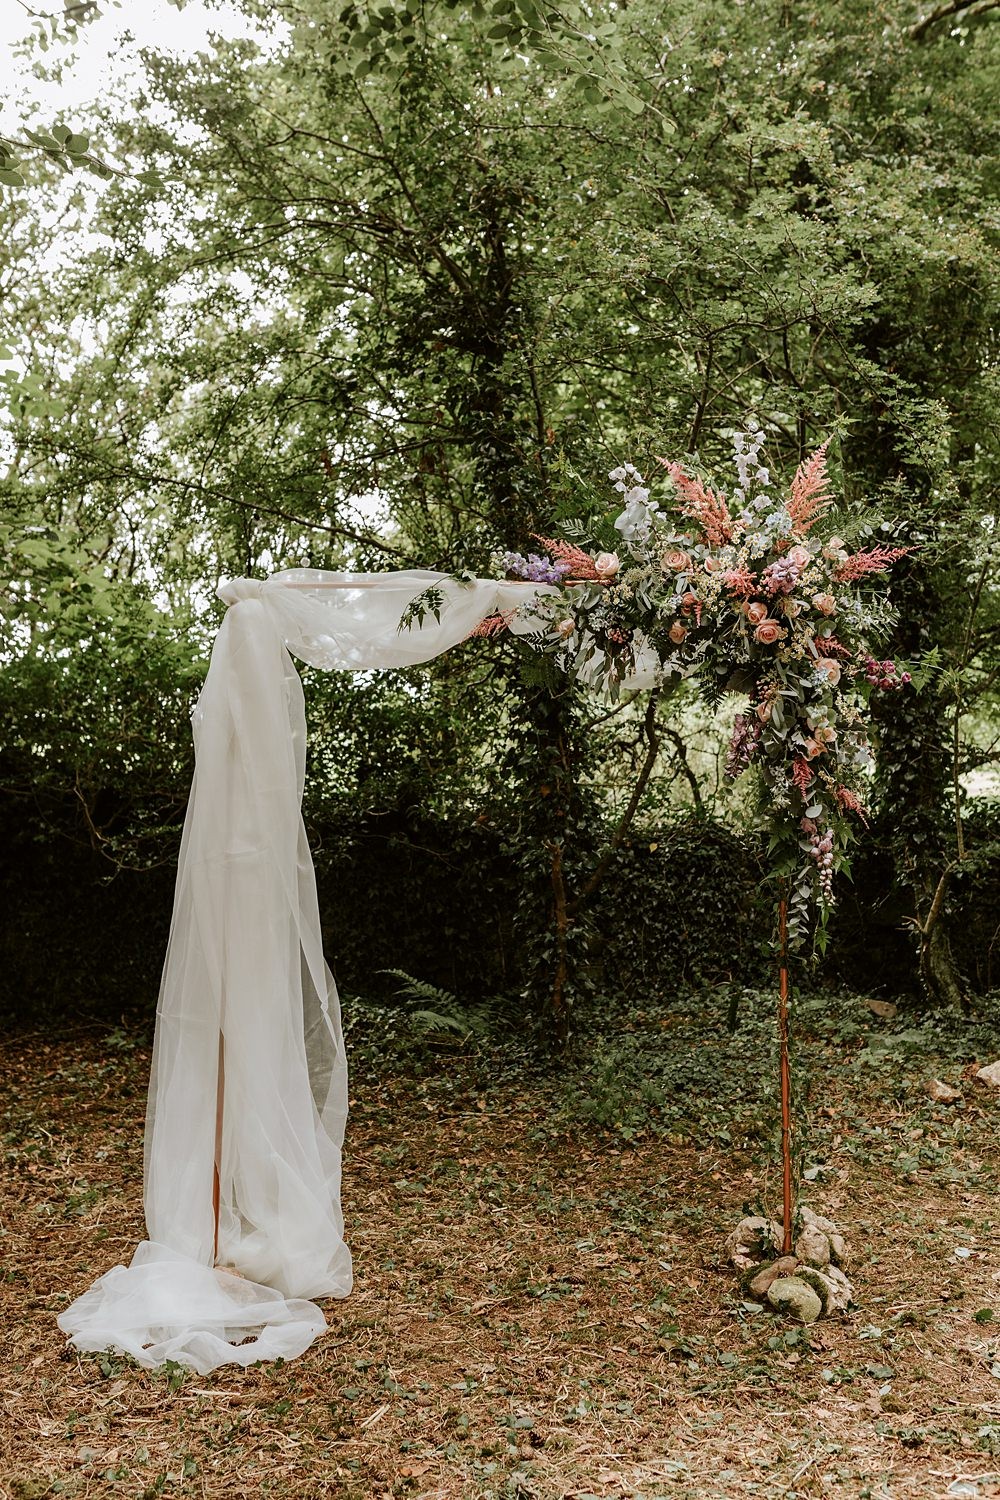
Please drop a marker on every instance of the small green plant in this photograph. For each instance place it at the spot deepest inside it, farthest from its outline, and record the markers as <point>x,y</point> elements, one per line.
<point>434,1013</point>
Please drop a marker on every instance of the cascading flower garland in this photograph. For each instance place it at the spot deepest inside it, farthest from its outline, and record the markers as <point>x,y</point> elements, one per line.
<point>747,593</point>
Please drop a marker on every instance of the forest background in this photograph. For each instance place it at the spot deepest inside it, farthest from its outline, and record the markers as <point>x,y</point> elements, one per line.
<point>394,285</point>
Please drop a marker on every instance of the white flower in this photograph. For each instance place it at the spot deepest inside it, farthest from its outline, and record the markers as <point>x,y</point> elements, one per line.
<point>607,564</point>
<point>616,474</point>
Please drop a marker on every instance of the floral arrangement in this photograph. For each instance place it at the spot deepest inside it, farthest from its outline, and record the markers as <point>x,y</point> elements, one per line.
<point>752,593</point>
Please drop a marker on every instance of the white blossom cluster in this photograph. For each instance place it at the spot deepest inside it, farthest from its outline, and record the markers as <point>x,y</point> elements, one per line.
<point>636,520</point>
<point>751,492</point>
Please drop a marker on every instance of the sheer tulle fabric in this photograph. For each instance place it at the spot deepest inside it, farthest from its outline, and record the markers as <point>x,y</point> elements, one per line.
<point>248,1090</point>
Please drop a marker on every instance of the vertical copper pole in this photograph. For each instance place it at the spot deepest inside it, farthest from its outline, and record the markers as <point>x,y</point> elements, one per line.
<point>786,1078</point>
<point>220,1090</point>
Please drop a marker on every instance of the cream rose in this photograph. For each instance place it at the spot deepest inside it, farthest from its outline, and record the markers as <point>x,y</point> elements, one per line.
<point>565,629</point>
<point>799,557</point>
<point>606,564</point>
<point>830,669</point>
<point>767,632</point>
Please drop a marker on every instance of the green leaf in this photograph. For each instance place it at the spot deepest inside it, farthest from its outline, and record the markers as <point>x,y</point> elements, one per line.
<point>11,179</point>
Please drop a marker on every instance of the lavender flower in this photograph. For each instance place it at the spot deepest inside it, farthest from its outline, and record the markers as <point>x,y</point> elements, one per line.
<point>533,568</point>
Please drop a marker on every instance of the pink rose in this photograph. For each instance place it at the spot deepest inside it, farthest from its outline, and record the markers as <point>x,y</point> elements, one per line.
<point>677,632</point>
<point>767,632</point>
<point>799,556</point>
<point>676,562</point>
<point>830,669</point>
<point>755,612</point>
<point>606,564</point>
<point>826,604</point>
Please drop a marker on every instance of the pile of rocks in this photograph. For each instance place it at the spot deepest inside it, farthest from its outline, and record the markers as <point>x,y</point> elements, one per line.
<point>806,1285</point>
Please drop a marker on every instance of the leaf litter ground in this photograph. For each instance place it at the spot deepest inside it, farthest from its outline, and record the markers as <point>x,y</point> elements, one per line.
<point>541,1307</point>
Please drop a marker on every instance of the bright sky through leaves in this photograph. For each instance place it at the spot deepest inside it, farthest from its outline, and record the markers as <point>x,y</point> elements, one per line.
<point>103,56</point>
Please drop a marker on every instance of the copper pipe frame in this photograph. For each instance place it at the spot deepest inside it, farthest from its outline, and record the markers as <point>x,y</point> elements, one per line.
<point>786,1079</point>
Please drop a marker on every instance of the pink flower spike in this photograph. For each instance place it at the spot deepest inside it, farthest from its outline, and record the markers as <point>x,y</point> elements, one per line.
<point>876,560</point>
<point>582,567</point>
<point>492,625</point>
<point>709,510</point>
<point>849,802</point>
<point>810,495</point>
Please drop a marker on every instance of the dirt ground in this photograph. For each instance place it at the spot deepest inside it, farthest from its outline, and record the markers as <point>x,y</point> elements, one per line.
<point>541,1307</point>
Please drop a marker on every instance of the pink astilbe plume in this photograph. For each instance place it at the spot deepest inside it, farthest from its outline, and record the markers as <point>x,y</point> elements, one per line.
<point>850,803</point>
<point>581,565</point>
<point>492,625</point>
<point>701,505</point>
<point>801,773</point>
<point>832,647</point>
<point>810,495</point>
<point>876,560</point>
<point>741,582</point>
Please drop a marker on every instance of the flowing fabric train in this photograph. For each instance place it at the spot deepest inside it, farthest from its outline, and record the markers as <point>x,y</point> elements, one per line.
<point>248,1089</point>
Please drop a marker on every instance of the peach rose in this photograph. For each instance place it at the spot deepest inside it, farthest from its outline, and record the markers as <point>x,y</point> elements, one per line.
<point>799,556</point>
<point>790,607</point>
<point>826,604</point>
<point>826,735</point>
<point>712,564</point>
<point>688,601</point>
<point>677,632</point>
<point>674,561</point>
<point>607,564</point>
<point>755,612</point>
<point>565,629</point>
<point>830,669</point>
<point>813,748</point>
<point>767,632</point>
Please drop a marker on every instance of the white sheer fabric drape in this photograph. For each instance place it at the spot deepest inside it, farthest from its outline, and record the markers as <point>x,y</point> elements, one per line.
<point>248,1090</point>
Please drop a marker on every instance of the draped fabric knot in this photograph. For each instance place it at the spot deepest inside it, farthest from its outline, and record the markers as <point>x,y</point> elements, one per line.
<point>238,589</point>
